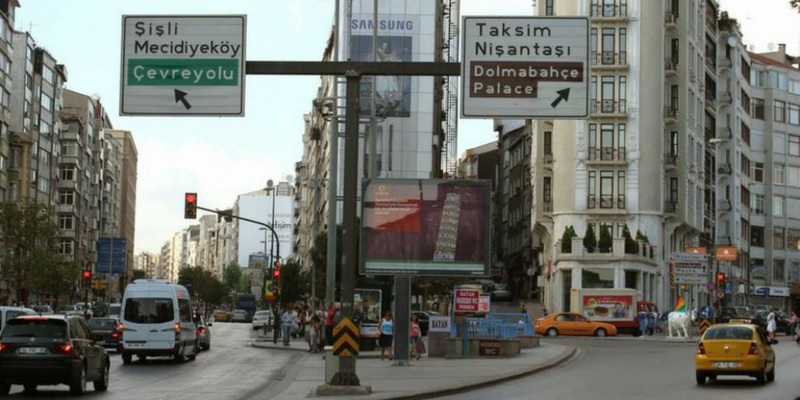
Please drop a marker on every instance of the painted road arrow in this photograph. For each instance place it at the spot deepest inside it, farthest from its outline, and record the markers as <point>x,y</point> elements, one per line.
<point>181,96</point>
<point>563,94</point>
<point>345,338</point>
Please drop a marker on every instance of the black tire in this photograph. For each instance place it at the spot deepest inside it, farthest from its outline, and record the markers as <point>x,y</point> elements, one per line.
<point>194,355</point>
<point>101,385</point>
<point>552,332</point>
<point>77,386</point>
<point>5,389</point>
<point>761,378</point>
<point>700,378</point>
<point>179,358</point>
<point>205,347</point>
<point>30,387</point>
<point>600,332</point>
<point>771,375</point>
<point>127,358</point>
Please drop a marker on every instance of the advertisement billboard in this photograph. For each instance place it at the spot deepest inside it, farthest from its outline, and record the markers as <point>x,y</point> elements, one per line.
<point>426,227</point>
<point>609,308</point>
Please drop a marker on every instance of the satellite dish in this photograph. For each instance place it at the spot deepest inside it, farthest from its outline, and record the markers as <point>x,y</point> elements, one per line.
<point>95,97</point>
<point>771,46</point>
<point>289,178</point>
<point>751,48</point>
<point>732,41</point>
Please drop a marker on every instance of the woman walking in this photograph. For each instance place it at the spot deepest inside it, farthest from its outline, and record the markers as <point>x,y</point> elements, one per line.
<point>771,326</point>
<point>415,334</point>
<point>387,334</point>
<point>288,324</point>
<point>793,325</point>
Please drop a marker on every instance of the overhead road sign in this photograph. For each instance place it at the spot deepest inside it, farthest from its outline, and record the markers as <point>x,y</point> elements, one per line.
<point>691,279</point>
<point>689,258</point>
<point>175,65</point>
<point>726,253</point>
<point>529,67</point>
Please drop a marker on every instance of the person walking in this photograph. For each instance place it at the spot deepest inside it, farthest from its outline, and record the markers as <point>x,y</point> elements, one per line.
<point>329,324</point>
<point>771,326</point>
<point>387,334</point>
<point>793,325</point>
<point>288,323</point>
<point>415,334</point>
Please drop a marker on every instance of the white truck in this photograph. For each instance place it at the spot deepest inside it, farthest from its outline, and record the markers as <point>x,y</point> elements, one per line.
<point>618,307</point>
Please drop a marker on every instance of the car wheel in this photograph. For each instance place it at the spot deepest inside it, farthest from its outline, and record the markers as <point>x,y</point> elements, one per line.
<point>179,358</point>
<point>206,346</point>
<point>700,378</point>
<point>78,384</point>
<point>5,389</point>
<point>101,385</point>
<point>127,358</point>
<point>761,378</point>
<point>29,387</point>
<point>600,332</point>
<point>194,354</point>
<point>552,332</point>
<point>771,375</point>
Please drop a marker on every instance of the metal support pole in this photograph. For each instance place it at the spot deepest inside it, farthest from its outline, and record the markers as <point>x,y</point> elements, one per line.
<point>333,185</point>
<point>373,126</point>
<point>347,365</point>
<point>402,313</point>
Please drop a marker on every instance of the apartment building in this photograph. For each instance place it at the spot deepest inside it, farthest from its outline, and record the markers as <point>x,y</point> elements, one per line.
<point>273,206</point>
<point>148,263</point>
<point>7,11</point>
<point>126,186</point>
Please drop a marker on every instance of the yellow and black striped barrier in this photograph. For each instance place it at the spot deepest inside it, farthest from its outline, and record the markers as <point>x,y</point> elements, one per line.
<point>704,324</point>
<point>345,338</point>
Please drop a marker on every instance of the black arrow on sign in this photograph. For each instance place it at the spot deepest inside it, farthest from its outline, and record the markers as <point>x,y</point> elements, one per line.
<point>181,96</point>
<point>563,94</point>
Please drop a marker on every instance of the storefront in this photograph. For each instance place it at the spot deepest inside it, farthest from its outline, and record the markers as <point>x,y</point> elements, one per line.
<point>777,296</point>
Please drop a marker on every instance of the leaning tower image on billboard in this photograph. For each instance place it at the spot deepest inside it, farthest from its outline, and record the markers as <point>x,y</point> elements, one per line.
<point>448,229</point>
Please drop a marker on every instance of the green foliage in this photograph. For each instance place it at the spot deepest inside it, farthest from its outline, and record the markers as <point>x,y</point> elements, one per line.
<point>631,247</point>
<point>205,286</point>
<point>29,253</point>
<point>642,237</point>
<point>138,274</point>
<point>319,257</point>
<point>606,240</point>
<point>566,239</point>
<point>589,238</point>
<point>232,276</point>
<point>295,285</point>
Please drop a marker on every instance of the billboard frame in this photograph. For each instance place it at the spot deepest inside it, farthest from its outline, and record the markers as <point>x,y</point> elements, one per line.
<point>418,267</point>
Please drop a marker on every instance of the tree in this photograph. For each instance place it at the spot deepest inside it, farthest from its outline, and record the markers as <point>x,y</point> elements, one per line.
<point>30,257</point>
<point>138,274</point>
<point>319,259</point>
<point>589,239</point>
<point>606,241</point>
<point>231,276</point>
<point>631,247</point>
<point>566,239</point>
<point>295,285</point>
<point>205,286</point>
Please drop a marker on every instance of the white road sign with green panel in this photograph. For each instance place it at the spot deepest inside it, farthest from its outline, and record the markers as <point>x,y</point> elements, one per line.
<point>183,65</point>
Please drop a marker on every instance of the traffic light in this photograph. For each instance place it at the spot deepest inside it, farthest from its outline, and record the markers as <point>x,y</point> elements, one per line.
<point>276,274</point>
<point>190,201</point>
<point>720,280</point>
<point>86,275</point>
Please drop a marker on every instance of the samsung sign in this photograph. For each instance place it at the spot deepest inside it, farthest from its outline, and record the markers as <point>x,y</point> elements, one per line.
<point>778,291</point>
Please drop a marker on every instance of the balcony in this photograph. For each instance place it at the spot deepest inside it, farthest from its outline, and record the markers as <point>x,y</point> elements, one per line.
<point>724,169</point>
<point>723,205</point>
<point>711,102</point>
<point>711,65</point>
<point>711,24</point>
<point>671,160</point>
<point>591,201</point>
<point>608,12</point>
<point>69,160</point>
<point>606,154</point>
<point>548,159</point>
<point>547,207</point>
<point>621,202</point>
<point>725,64</point>
<point>65,184</point>
<point>671,66</point>
<point>606,201</point>
<point>609,108</point>
<point>671,20</point>
<point>670,113</point>
<point>609,60</point>
<point>638,251</point>
<point>726,99</point>
<point>671,206</point>
<point>65,209</point>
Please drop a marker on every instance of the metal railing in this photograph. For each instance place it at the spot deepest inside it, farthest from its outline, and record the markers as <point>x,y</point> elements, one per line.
<point>606,154</point>
<point>609,58</point>
<point>608,10</point>
<point>670,206</point>
<point>609,107</point>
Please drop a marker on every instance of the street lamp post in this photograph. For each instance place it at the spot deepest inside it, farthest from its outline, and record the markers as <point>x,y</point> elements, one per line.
<point>275,309</point>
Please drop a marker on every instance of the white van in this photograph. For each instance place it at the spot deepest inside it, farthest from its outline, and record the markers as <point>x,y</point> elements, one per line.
<point>156,320</point>
<point>7,313</point>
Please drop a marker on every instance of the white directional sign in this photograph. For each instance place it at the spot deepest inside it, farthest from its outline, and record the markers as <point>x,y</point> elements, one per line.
<point>689,258</point>
<point>183,65</point>
<point>691,279</point>
<point>690,269</point>
<point>530,67</point>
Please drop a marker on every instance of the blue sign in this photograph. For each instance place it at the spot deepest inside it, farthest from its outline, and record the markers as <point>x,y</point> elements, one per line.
<point>110,255</point>
<point>764,290</point>
<point>728,287</point>
<point>257,259</point>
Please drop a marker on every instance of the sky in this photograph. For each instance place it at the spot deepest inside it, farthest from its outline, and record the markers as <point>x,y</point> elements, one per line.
<point>222,157</point>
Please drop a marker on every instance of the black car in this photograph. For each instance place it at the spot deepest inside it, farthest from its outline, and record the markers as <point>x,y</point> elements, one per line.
<point>51,350</point>
<point>108,328</point>
<point>781,322</point>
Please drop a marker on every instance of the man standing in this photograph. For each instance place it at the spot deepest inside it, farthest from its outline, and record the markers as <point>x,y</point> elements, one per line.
<point>771,326</point>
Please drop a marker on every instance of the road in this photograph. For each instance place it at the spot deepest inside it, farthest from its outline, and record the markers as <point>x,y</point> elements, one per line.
<point>230,370</point>
<point>626,368</point>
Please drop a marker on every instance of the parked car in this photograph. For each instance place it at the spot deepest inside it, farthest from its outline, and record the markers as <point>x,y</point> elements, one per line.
<point>424,320</point>
<point>572,324</point>
<point>221,316</point>
<point>734,349</point>
<point>108,328</point>
<point>42,309</point>
<point>781,322</point>
<point>51,350</point>
<point>500,292</point>
<point>239,316</point>
<point>261,319</point>
<point>203,334</point>
<point>8,312</point>
<point>69,310</point>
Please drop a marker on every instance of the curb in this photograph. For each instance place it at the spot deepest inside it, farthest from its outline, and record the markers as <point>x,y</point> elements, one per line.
<point>565,355</point>
<point>281,348</point>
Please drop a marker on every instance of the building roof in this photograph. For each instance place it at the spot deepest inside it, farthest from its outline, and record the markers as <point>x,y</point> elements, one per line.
<point>762,59</point>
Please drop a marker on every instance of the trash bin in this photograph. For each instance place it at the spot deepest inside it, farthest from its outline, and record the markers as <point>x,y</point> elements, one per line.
<point>331,364</point>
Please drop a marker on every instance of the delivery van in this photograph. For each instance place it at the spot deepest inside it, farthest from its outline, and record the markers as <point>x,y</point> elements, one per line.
<point>156,319</point>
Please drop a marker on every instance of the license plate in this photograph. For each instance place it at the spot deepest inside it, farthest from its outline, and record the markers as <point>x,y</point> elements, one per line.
<point>726,365</point>
<point>32,350</point>
<point>134,344</point>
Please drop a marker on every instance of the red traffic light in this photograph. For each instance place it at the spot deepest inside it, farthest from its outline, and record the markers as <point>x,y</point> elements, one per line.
<point>276,273</point>
<point>87,274</point>
<point>190,202</point>
<point>720,277</point>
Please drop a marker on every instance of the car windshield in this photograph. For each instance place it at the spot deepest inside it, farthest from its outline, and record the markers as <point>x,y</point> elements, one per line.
<point>68,308</point>
<point>39,328</point>
<point>114,309</point>
<point>149,310</point>
<point>102,323</point>
<point>262,314</point>
<point>729,333</point>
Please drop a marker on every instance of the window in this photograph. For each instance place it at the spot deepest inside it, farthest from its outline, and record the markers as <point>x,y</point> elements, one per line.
<point>149,310</point>
<point>592,183</point>
<point>757,108</point>
<point>548,143</point>
<point>65,247</point>
<point>185,310</point>
<point>607,142</point>
<point>793,114</point>
<point>793,207</point>
<point>70,150</point>
<point>673,97</point>
<point>608,46</point>
<point>778,272</point>
<point>67,173</point>
<point>66,198</point>
<point>673,190</point>
<point>793,176</point>
<point>593,46</point>
<point>778,206</point>
<point>779,111</point>
<point>547,189</point>
<point>793,239</point>
<point>623,87</point>
<point>794,86</point>
<point>778,177</point>
<point>66,222</point>
<point>606,189</point>
<point>675,50</point>
<point>758,172</point>
<point>548,8</point>
<point>45,128</point>
<point>607,93</point>
<point>47,74</point>
<point>621,189</point>
<point>777,238</point>
<point>757,204</point>
<point>777,80</point>
<point>44,185</point>
<point>47,102</point>
<point>599,278</point>
<point>757,236</point>
<point>623,43</point>
<point>608,8</point>
<point>794,145</point>
<point>44,157</point>
<point>673,143</point>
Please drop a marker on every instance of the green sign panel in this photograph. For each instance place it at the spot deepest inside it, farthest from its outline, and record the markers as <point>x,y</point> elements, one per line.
<point>188,72</point>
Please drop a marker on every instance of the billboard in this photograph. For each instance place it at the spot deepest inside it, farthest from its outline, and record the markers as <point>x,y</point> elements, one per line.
<point>110,255</point>
<point>426,227</point>
<point>392,93</point>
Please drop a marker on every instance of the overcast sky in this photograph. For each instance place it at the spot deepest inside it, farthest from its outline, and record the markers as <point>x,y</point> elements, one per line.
<point>222,157</point>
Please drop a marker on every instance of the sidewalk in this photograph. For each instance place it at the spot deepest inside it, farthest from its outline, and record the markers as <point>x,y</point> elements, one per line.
<point>422,379</point>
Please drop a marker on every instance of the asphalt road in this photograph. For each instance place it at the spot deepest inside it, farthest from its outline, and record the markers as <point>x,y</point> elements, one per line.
<point>626,368</point>
<point>230,370</point>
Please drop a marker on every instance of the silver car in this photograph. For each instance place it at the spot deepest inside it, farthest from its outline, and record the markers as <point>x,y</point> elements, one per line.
<point>203,334</point>
<point>239,316</point>
<point>261,319</point>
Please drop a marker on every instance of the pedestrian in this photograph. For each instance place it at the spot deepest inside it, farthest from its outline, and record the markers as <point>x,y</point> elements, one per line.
<point>771,326</point>
<point>288,323</point>
<point>793,325</point>
<point>387,334</point>
<point>307,326</point>
<point>329,324</point>
<point>314,333</point>
<point>415,334</point>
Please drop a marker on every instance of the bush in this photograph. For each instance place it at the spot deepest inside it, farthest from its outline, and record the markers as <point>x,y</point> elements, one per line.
<point>589,239</point>
<point>631,247</point>
<point>566,239</point>
<point>642,237</point>
<point>606,240</point>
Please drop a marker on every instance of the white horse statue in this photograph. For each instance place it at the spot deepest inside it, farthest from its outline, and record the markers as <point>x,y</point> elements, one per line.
<point>680,321</point>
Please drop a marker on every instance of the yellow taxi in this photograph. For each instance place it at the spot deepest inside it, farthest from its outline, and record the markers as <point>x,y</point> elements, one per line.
<point>572,324</point>
<point>221,316</point>
<point>734,349</point>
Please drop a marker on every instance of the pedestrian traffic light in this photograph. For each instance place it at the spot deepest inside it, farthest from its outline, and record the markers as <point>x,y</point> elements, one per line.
<point>190,201</point>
